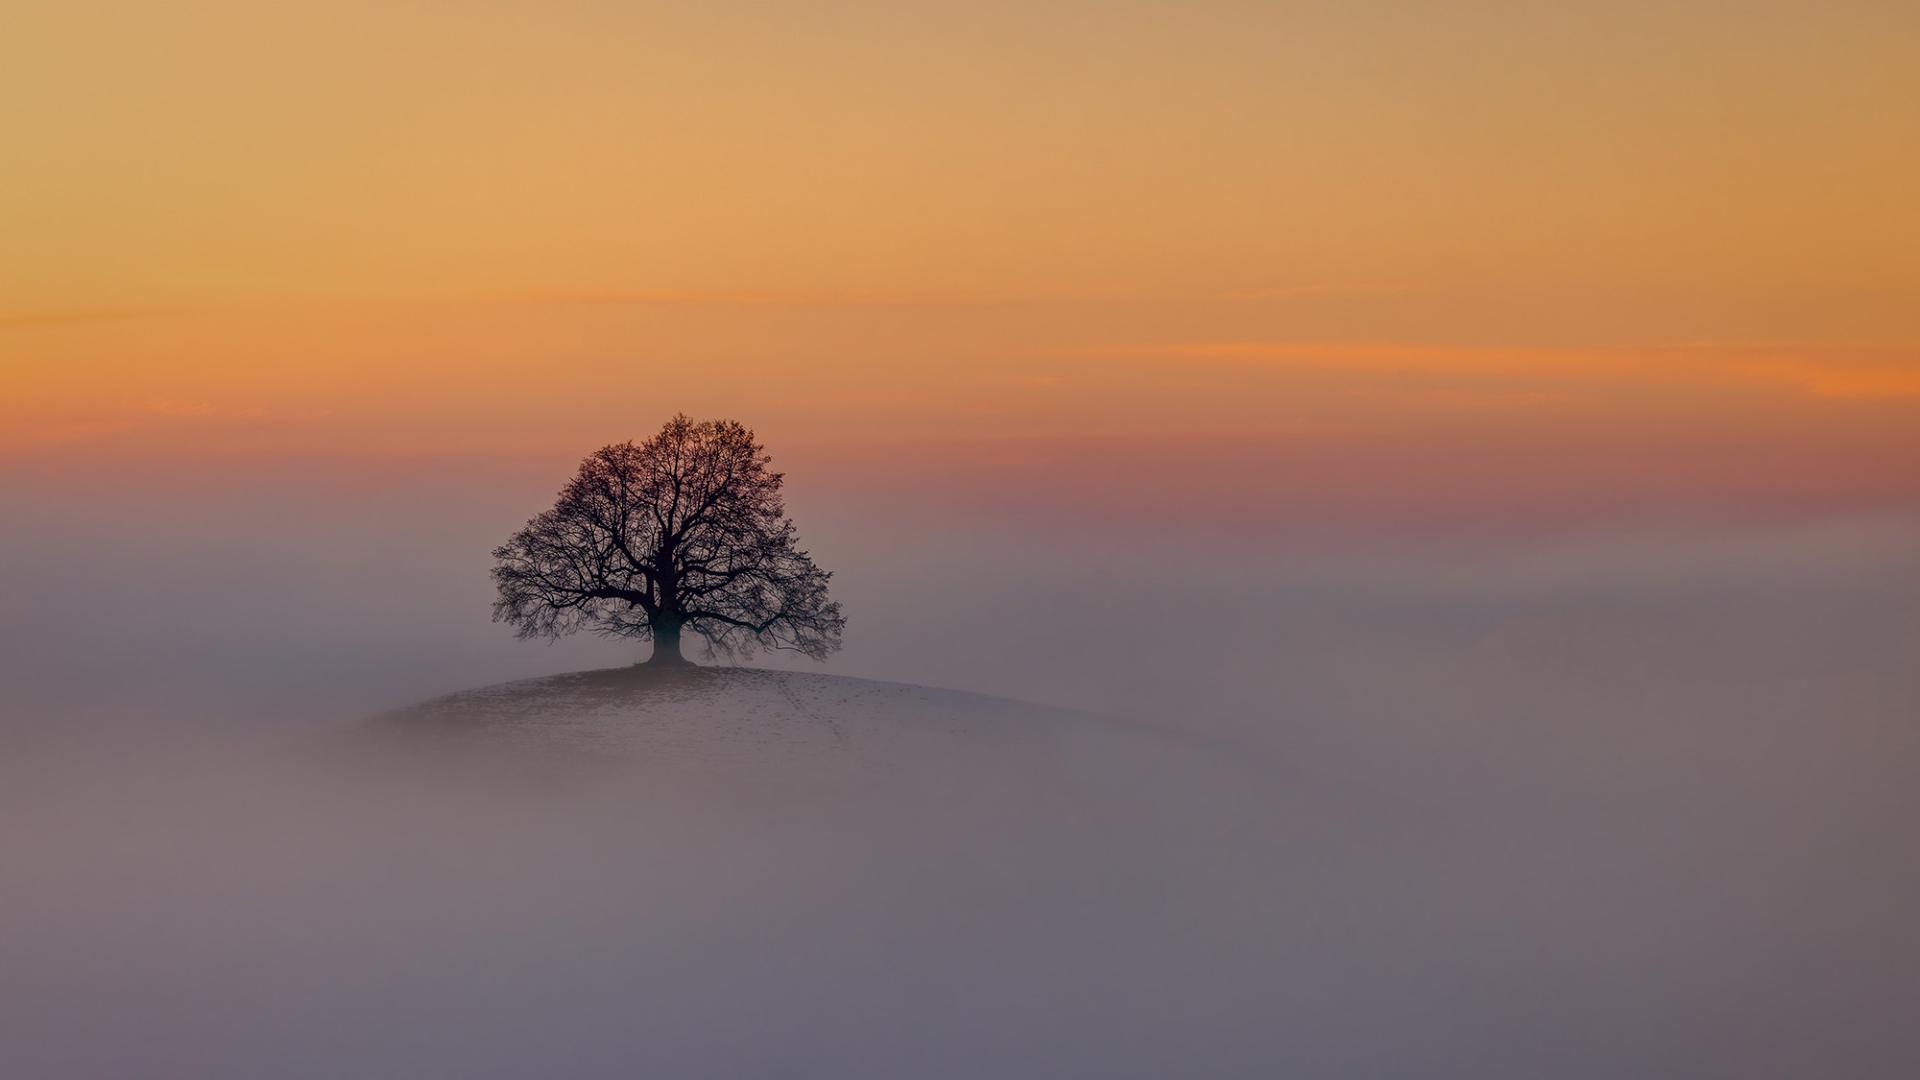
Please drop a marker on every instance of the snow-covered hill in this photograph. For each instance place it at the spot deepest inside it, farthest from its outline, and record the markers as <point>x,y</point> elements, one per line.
<point>709,715</point>
<point>720,712</point>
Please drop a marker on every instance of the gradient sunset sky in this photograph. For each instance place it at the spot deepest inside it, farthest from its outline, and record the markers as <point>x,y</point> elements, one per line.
<point>1265,258</point>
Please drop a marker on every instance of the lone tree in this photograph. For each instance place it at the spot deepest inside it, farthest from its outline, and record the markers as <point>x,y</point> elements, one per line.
<point>685,531</point>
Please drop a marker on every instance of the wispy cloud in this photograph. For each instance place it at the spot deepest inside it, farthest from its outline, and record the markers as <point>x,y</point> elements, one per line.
<point>751,298</point>
<point>176,407</point>
<point>1327,291</point>
<point>1824,372</point>
<point>33,320</point>
<point>1842,380</point>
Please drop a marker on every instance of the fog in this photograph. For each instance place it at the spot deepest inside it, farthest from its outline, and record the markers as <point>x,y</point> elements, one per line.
<point>1623,798</point>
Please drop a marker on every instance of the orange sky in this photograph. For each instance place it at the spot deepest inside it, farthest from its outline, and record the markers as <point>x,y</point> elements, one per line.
<point>1385,251</point>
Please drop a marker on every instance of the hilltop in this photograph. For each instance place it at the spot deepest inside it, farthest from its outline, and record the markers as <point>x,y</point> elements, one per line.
<point>800,723</point>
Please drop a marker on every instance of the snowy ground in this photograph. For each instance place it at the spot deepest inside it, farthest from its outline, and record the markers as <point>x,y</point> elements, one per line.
<point>801,728</point>
<point>724,713</point>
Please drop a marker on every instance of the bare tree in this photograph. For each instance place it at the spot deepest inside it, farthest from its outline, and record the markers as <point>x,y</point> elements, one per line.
<point>685,531</point>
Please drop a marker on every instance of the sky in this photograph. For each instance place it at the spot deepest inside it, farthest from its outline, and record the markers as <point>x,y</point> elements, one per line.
<point>1381,255</point>
<point>1701,162</point>
<point>1505,416</point>
<point>314,290</point>
<point>1449,281</point>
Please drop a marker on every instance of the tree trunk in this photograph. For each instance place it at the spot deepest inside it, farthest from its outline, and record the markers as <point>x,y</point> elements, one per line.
<point>666,646</point>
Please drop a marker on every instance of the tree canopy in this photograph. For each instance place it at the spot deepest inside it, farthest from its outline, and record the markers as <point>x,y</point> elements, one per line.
<point>685,531</point>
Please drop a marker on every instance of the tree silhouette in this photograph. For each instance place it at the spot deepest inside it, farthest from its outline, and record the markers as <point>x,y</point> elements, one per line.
<point>685,531</point>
